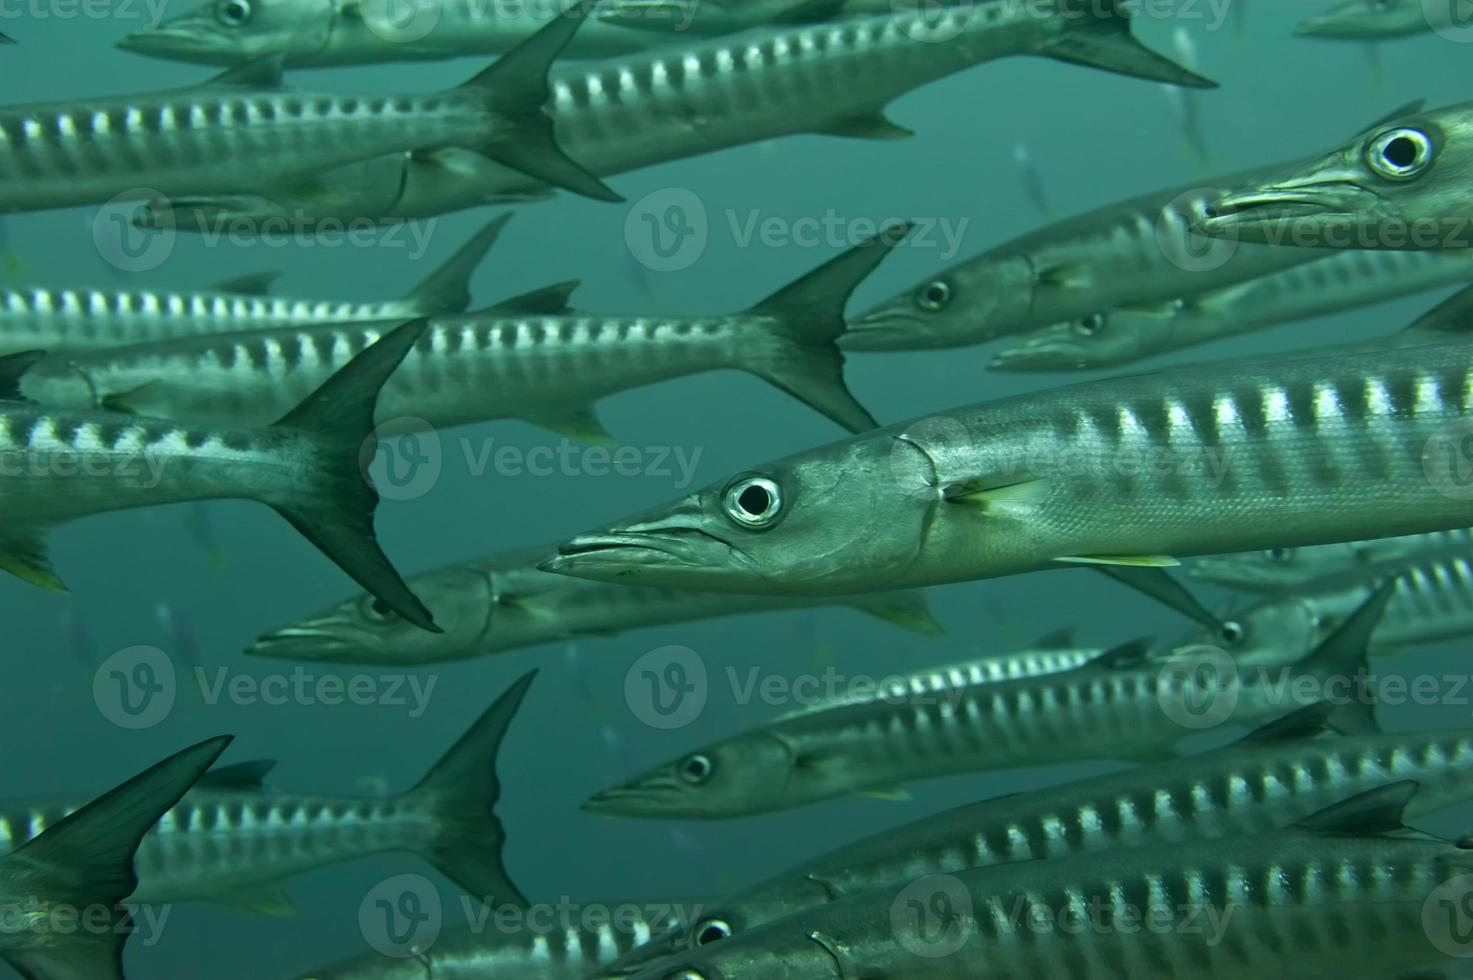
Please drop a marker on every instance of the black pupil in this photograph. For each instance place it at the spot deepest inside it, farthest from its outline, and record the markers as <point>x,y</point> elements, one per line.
<point>1401,152</point>
<point>1091,324</point>
<point>235,11</point>
<point>754,500</point>
<point>711,934</point>
<point>696,767</point>
<point>1232,632</point>
<point>381,608</point>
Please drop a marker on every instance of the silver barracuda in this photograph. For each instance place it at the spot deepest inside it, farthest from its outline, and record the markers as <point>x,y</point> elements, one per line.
<point>1202,459</point>
<point>231,841</point>
<point>1401,184</point>
<point>1343,892</point>
<point>83,319</point>
<point>81,869</point>
<point>1332,284</point>
<point>1137,252</point>
<point>546,369</point>
<point>56,466</point>
<point>695,98</point>
<point>243,130</point>
<point>1280,569</point>
<point>327,33</point>
<point>1119,705</point>
<point>1371,20</point>
<point>504,603</point>
<point>1278,774</point>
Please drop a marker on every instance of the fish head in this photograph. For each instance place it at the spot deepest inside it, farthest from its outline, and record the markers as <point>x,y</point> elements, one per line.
<point>1365,20</point>
<point>1265,571</point>
<point>846,518</point>
<point>364,630</point>
<point>967,304</point>
<point>748,773</point>
<point>1402,184</point>
<point>229,32</point>
<point>773,954</point>
<point>374,966</point>
<point>1275,631</point>
<point>1095,340</point>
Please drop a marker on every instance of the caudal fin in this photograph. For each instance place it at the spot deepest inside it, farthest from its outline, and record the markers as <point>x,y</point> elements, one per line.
<point>515,91</point>
<point>1101,38</point>
<point>84,864</point>
<point>448,288</point>
<point>461,790</point>
<point>336,512</point>
<point>807,319</point>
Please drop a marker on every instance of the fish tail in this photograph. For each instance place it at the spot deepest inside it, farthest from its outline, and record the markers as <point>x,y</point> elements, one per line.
<point>1107,42</point>
<point>336,511</point>
<point>514,90</point>
<point>86,862</point>
<point>448,288</point>
<point>461,791</point>
<point>806,318</point>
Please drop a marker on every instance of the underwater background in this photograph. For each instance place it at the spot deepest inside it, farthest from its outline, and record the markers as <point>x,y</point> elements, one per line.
<point>200,582</point>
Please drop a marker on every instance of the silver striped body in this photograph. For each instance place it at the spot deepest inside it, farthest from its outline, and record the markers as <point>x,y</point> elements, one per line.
<point>1343,281</point>
<point>1294,568</point>
<point>504,603</point>
<point>1238,791</point>
<point>237,847</point>
<point>465,368</point>
<point>1291,904</point>
<point>214,139</point>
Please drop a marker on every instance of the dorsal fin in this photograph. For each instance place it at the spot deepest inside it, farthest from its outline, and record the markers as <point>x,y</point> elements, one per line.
<point>12,368</point>
<point>1059,639</point>
<point>448,288</point>
<point>1306,722</point>
<point>255,284</point>
<point>1123,657</point>
<point>1370,814</point>
<point>549,300</point>
<point>258,73</point>
<point>241,776</point>
<point>1452,315</point>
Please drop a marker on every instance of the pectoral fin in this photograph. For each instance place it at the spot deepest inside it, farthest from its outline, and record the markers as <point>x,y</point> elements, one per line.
<point>579,423</point>
<point>23,554</point>
<point>127,402</point>
<point>892,794</point>
<point>1134,561</point>
<point>874,126</point>
<point>988,494</point>
<point>268,901</point>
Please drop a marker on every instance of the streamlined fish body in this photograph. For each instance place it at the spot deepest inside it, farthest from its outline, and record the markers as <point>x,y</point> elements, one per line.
<point>545,369</point>
<point>834,78</point>
<point>1205,459</point>
<point>1333,284</point>
<point>1278,774</point>
<point>59,465</point>
<point>242,130</point>
<point>1370,20</point>
<point>1282,569</point>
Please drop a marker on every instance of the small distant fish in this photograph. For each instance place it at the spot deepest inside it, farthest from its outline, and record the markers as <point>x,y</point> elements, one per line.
<point>1283,569</point>
<point>80,640</point>
<point>79,865</point>
<point>1031,179</point>
<point>1359,20</point>
<point>1186,103</point>
<point>179,634</point>
<point>60,466</point>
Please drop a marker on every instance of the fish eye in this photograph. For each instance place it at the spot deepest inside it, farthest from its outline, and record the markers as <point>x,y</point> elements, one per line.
<point>378,611</point>
<point>1231,632</point>
<point>754,501</point>
<point>1279,555</point>
<point>1400,154</point>
<point>1090,325</point>
<point>697,769</point>
<point>934,295</point>
<point>712,930</point>
<point>685,975</point>
<point>233,13</point>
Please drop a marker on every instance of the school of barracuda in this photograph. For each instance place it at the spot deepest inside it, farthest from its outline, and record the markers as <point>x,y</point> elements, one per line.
<point>1320,497</point>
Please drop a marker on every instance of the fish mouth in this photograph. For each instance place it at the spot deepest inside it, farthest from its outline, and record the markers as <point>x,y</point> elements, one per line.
<point>671,550</point>
<point>319,640</point>
<point>654,795</point>
<point>1037,356</point>
<point>883,329</point>
<point>1282,205</point>
<point>180,43</point>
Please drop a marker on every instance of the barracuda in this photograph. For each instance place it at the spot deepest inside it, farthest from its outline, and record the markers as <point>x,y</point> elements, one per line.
<point>1370,20</point>
<point>1205,459</point>
<point>545,369</point>
<point>328,33</point>
<point>1402,184</point>
<point>231,841</point>
<point>1278,774</point>
<point>504,603</point>
<point>624,114</point>
<point>1341,893</point>
<point>56,466</point>
<point>242,130</point>
<point>1116,706</point>
<point>84,864</point>
<point>83,319</point>
<point>1329,285</point>
<point>1280,569</point>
